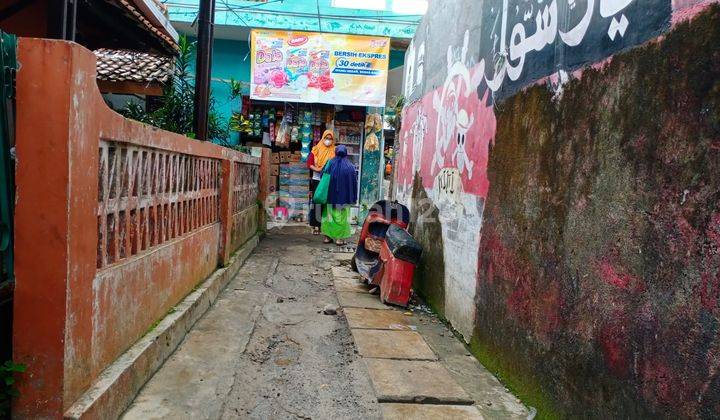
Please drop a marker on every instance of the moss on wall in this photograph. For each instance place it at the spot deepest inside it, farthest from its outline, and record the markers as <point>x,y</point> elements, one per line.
<point>599,264</point>
<point>429,281</point>
<point>524,386</point>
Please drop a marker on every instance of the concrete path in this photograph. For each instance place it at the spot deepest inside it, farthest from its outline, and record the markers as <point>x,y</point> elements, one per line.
<point>266,350</point>
<point>417,367</point>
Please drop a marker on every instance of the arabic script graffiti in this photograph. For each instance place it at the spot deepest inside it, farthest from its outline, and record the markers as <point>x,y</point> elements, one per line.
<point>513,51</point>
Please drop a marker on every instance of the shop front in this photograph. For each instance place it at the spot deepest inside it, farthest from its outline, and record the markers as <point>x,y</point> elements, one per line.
<point>305,83</point>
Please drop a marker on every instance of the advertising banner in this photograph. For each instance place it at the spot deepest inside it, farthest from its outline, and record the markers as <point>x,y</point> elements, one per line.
<point>319,67</point>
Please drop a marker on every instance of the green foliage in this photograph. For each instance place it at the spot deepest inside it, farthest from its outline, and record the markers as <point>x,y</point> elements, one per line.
<point>235,88</point>
<point>178,102</point>
<point>239,123</point>
<point>395,118</point>
<point>7,383</point>
<point>242,148</point>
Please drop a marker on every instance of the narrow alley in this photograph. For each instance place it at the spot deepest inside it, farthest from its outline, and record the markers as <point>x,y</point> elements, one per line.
<point>341,209</point>
<point>267,349</point>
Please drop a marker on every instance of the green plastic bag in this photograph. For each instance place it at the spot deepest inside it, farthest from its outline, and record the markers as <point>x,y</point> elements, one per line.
<point>321,192</point>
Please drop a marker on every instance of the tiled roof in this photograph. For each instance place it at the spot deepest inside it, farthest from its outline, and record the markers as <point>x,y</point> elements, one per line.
<point>140,17</point>
<point>162,7</point>
<point>124,65</point>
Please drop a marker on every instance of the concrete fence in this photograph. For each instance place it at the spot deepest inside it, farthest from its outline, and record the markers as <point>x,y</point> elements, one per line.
<point>116,222</point>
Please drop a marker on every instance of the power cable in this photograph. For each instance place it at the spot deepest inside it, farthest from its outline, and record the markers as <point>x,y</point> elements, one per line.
<point>231,8</point>
<point>235,13</point>
<point>383,18</point>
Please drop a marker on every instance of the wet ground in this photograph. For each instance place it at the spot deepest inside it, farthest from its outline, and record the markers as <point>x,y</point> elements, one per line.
<point>267,350</point>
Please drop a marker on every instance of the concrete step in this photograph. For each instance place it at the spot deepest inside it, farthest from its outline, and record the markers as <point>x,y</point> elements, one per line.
<point>411,381</point>
<point>361,318</point>
<point>388,344</point>
<point>361,300</point>
<point>394,411</point>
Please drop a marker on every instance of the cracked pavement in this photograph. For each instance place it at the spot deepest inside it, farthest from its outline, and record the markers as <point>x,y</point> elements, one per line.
<point>265,349</point>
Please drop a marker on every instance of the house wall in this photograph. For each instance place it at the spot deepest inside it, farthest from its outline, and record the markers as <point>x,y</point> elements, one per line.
<point>563,181</point>
<point>303,16</point>
<point>231,60</point>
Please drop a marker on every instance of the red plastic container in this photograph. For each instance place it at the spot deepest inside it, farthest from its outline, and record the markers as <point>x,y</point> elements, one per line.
<point>396,278</point>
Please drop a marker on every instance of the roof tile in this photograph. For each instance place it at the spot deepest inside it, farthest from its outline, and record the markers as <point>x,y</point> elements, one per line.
<point>126,65</point>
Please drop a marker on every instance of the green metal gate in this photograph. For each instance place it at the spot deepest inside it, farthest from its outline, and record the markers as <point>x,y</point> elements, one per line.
<point>8,67</point>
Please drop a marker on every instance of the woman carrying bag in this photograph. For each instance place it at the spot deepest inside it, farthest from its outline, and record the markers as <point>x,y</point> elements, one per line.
<point>320,155</point>
<point>338,191</point>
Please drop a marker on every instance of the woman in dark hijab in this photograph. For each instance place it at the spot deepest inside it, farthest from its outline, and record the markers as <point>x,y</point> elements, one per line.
<point>342,193</point>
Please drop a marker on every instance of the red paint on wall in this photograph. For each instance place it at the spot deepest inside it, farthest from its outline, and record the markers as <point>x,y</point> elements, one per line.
<point>458,132</point>
<point>614,342</point>
<point>658,384</point>
<point>518,303</point>
<point>531,302</point>
<point>687,235</point>
<point>618,277</point>
<point>610,275</point>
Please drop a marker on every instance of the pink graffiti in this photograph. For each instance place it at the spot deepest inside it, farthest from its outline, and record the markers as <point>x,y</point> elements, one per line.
<point>467,123</point>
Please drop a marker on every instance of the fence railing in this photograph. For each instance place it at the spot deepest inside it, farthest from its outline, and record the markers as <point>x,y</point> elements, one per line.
<point>149,196</point>
<point>245,208</point>
<point>116,222</point>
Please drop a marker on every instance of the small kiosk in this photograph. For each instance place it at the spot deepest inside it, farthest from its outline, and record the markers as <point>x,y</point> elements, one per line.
<point>304,83</point>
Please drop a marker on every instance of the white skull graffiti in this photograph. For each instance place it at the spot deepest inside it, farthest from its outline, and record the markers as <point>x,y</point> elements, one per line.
<point>461,158</point>
<point>418,131</point>
<point>453,122</point>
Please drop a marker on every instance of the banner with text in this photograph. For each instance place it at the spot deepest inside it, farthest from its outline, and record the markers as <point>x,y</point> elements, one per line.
<point>319,67</point>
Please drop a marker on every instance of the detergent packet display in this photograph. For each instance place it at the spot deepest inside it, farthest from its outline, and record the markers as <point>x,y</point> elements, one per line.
<point>313,67</point>
<point>296,64</point>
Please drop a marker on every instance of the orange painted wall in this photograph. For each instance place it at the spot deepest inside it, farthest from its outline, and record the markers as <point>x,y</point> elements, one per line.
<point>72,319</point>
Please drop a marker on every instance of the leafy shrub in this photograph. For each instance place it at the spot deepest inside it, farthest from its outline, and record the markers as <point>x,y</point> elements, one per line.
<point>7,384</point>
<point>177,105</point>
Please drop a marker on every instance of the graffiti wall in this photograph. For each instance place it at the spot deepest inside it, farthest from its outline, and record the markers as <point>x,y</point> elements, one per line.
<point>566,153</point>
